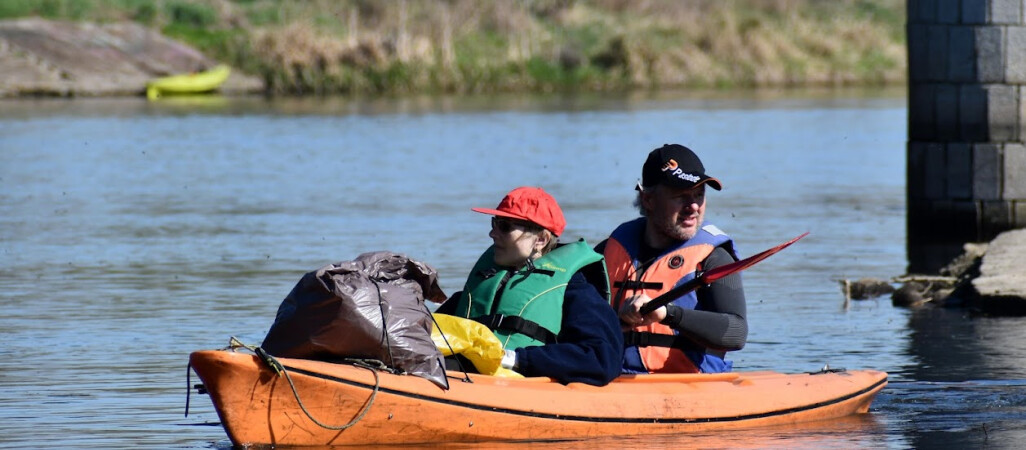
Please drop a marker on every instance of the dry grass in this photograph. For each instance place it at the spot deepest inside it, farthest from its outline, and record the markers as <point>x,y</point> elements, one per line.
<point>327,46</point>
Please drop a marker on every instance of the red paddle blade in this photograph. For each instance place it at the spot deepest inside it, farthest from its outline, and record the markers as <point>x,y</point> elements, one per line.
<point>713,275</point>
<point>722,271</point>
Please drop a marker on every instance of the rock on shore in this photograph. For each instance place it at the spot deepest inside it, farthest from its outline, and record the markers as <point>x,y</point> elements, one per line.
<point>988,277</point>
<point>1001,285</point>
<point>51,58</point>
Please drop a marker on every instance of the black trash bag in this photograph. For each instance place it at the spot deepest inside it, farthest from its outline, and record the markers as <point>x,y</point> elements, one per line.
<point>336,312</point>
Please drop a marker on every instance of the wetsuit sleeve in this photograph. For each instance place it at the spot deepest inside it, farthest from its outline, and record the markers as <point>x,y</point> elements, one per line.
<point>589,347</point>
<point>720,321</point>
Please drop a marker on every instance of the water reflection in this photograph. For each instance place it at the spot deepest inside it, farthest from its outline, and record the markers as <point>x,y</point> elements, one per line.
<point>851,432</point>
<point>956,415</point>
<point>953,345</point>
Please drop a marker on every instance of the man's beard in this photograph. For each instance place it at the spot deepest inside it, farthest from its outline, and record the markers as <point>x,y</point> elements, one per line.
<point>675,231</point>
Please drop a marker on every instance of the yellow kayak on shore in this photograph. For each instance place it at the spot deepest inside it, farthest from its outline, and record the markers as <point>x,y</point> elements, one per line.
<point>189,83</point>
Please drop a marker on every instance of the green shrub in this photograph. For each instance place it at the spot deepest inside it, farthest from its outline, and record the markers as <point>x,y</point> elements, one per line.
<point>543,72</point>
<point>12,9</point>
<point>263,15</point>
<point>65,9</point>
<point>203,38</point>
<point>191,14</point>
<point>144,12</point>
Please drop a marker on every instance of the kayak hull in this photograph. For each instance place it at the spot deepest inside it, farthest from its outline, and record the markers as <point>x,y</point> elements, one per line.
<point>190,83</point>
<point>259,407</point>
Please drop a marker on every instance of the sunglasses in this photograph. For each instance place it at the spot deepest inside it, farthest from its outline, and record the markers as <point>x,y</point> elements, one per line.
<point>506,225</point>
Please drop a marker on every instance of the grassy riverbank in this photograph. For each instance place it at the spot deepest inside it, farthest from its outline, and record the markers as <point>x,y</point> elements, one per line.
<point>397,46</point>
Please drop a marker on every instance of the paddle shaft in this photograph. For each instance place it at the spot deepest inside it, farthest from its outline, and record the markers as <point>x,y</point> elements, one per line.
<point>712,275</point>
<point>673,294</point>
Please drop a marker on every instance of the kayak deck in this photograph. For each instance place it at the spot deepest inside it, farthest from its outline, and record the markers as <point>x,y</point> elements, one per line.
<point>257,406</point>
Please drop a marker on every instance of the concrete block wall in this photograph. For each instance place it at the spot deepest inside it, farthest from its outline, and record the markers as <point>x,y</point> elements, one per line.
<point>967,125</point>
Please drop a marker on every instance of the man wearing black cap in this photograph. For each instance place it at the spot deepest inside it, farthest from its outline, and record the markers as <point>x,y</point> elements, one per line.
<point>665,247</point>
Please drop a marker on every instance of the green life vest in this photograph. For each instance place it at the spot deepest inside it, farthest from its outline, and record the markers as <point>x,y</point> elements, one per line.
<point>529,299</point>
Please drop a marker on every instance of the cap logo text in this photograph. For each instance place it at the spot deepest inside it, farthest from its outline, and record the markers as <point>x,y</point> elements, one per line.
<point>671,165</point>
<point>685,176</point>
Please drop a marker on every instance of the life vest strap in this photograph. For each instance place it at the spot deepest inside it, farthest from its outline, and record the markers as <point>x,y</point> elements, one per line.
<point>517,324</point>
<point>637,285</point>
<point>645,339</point>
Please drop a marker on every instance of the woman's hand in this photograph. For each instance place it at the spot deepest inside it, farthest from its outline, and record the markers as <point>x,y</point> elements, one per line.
<point>630,311</point>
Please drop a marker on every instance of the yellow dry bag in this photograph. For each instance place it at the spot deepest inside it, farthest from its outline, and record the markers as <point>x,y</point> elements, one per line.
<point>472,340</point>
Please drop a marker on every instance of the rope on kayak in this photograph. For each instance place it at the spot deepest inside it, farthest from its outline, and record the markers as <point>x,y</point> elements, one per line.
<point>188,387</point>
<point>828,369</point>
<point>384,323</point>
<point>372,365</point>
<point>466,376</point>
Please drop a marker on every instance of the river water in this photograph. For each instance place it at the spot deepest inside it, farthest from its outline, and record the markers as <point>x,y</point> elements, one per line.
<point>133,233</point>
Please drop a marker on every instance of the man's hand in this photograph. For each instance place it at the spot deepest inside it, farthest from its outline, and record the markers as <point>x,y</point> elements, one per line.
<point>630,312</point>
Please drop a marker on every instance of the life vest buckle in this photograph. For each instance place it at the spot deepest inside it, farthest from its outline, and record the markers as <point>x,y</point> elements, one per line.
<point>494,321</point>
<point>517,324</point>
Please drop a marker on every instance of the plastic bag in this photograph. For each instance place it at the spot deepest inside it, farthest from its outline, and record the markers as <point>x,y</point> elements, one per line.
<point>371,307</point>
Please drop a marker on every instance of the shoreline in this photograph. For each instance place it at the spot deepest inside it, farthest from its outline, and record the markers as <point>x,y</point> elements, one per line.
<point>350,47</point>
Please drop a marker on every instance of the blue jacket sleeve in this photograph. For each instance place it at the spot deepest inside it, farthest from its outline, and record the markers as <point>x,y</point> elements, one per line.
<point>590,342</point>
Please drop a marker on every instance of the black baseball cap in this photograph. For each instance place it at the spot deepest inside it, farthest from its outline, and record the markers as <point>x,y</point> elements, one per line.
<point>676,166</point>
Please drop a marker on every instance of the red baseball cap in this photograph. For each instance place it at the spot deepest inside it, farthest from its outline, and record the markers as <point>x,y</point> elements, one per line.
<point>531,204</point>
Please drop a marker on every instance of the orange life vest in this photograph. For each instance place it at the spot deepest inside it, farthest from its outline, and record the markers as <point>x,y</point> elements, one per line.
<point>672,267</point>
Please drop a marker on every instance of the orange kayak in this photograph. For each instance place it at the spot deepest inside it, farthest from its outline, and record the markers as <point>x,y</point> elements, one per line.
<point>357,405</point>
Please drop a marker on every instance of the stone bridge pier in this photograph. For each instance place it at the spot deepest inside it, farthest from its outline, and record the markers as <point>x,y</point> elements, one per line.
<point>966,149</point>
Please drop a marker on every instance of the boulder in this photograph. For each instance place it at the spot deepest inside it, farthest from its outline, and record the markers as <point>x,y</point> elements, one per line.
<point>1001,285</point>
<point>55,58</point>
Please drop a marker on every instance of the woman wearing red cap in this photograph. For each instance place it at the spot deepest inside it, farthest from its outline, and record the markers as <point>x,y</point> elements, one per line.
<point>546,302</point>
